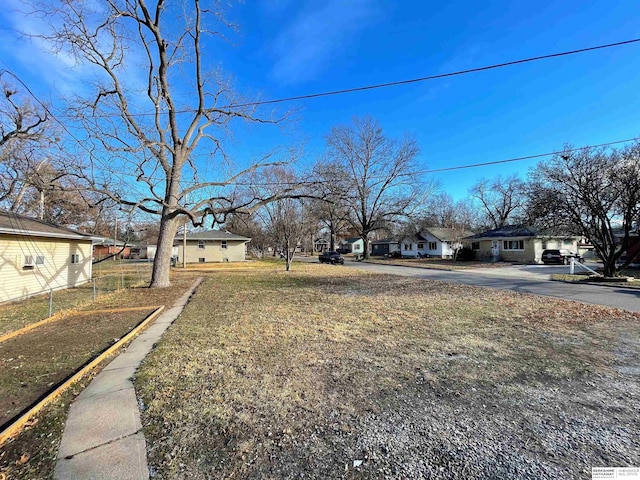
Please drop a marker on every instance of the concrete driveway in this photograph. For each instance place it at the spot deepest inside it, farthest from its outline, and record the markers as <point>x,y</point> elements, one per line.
<point>539,272</point>
<point>533,279</point>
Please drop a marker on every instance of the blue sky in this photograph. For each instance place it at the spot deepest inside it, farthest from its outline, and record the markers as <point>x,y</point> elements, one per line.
<point>287,48</point>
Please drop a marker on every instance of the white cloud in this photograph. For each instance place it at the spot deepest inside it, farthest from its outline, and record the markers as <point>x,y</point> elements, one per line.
<point>317,34</point>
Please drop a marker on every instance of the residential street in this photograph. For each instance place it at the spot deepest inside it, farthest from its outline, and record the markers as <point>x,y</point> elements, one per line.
<point>523,278</point>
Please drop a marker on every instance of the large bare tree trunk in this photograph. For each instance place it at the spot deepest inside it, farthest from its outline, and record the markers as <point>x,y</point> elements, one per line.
<point>162,261</point>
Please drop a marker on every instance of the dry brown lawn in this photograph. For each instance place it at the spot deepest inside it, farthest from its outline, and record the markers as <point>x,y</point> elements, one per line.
<point>327,372</point>
<point>35,362</point>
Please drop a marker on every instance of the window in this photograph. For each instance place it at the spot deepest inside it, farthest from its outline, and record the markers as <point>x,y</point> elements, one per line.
<point>75,258</point>
<point>40,260</point>
<point>408,246</point>
<point>475,245</point>
<point>513,245</point>
<point>433,246</point>
<point>28,261</point>
<point>356,247</point>
<point>420,246</point>
<point>223,244</point>
<point>201,244</point>
<point>201,260</point>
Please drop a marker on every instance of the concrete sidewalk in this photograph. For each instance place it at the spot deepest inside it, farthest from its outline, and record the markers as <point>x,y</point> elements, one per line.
<point>102,437</point>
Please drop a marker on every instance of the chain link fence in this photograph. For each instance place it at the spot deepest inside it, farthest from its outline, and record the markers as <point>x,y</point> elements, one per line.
<point>106,280</point>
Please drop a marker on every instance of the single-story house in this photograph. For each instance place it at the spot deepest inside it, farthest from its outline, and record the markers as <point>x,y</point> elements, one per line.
<point>321,245</point>
<point>516,243</point>
<point>211,246</point>
<point>441,242</point>
<point>104,247</point>
<point>413,246</point>
<point>38,257</point>
<point>384,247</point>
<point>143,252</point>
<point>352,245</point>
<point>633,249</point>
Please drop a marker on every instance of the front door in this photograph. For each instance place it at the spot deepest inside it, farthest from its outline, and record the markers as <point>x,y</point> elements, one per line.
<point>495,248</point>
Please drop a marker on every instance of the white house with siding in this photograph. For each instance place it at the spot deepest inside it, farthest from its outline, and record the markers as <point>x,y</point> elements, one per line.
<point>442,242</point>
<point>352,245</point>
<point>413,246</point>
<point>38,257</point>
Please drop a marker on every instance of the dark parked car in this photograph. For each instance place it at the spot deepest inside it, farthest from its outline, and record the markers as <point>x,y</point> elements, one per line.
<point>560,256</point>
<point>396,254</point>
<point>331,257</point>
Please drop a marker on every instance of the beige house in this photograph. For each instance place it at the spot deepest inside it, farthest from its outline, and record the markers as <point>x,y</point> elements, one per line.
<point>38,257</point>
<point>211,246</point>
<point>514,243</point>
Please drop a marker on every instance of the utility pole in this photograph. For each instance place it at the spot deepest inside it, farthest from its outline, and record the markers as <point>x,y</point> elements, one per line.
<point>115,234</point>
<point>184,239</point>
<point>184,245</point>
<point>41,204</point>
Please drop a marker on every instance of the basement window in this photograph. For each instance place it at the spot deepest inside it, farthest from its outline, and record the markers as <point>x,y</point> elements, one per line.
<point>201,260</point>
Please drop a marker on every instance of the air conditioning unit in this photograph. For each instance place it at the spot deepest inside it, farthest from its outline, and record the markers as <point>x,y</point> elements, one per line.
<point>28,261</point>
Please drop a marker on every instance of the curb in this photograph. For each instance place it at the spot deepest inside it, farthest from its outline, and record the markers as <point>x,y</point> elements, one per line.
<point>17,426</point>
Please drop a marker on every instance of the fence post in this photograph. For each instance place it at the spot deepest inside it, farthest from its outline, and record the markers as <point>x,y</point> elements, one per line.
<point>50,301</point>
<point>94,289</point>
<point>572,269</point>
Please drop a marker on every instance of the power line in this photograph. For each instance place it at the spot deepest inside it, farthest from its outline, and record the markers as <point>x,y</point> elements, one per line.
<point>188,183</point>
<point>442,75</point>
<point>385,85</point>
<point>529,157</point>
<point>395,83</point>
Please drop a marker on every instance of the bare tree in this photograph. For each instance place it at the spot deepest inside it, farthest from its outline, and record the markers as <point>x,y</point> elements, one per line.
<point>251,226</point>
<point>381,177</point>
<point>25,132</point>
<point>283,216</point>
<point>332,210</point>
<point>594,193</point>
<point>501,198</point>
<point>158,117</point>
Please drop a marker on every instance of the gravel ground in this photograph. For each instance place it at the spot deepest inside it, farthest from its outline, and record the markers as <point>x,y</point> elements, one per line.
<point>490,432</point>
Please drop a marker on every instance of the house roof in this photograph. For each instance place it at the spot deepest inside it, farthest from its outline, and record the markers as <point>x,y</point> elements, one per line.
<point>351,240</point>
<point>512,231</point>
<point>384,241</point>
<point>214,235</point>
<point>13,224</point>
<point>415,236</point>
<point>107,242</point>
<point>447,234</point>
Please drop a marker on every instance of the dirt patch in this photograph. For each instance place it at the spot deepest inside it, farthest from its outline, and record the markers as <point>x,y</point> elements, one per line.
<point>31,364</point>
<point>332,373</point>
